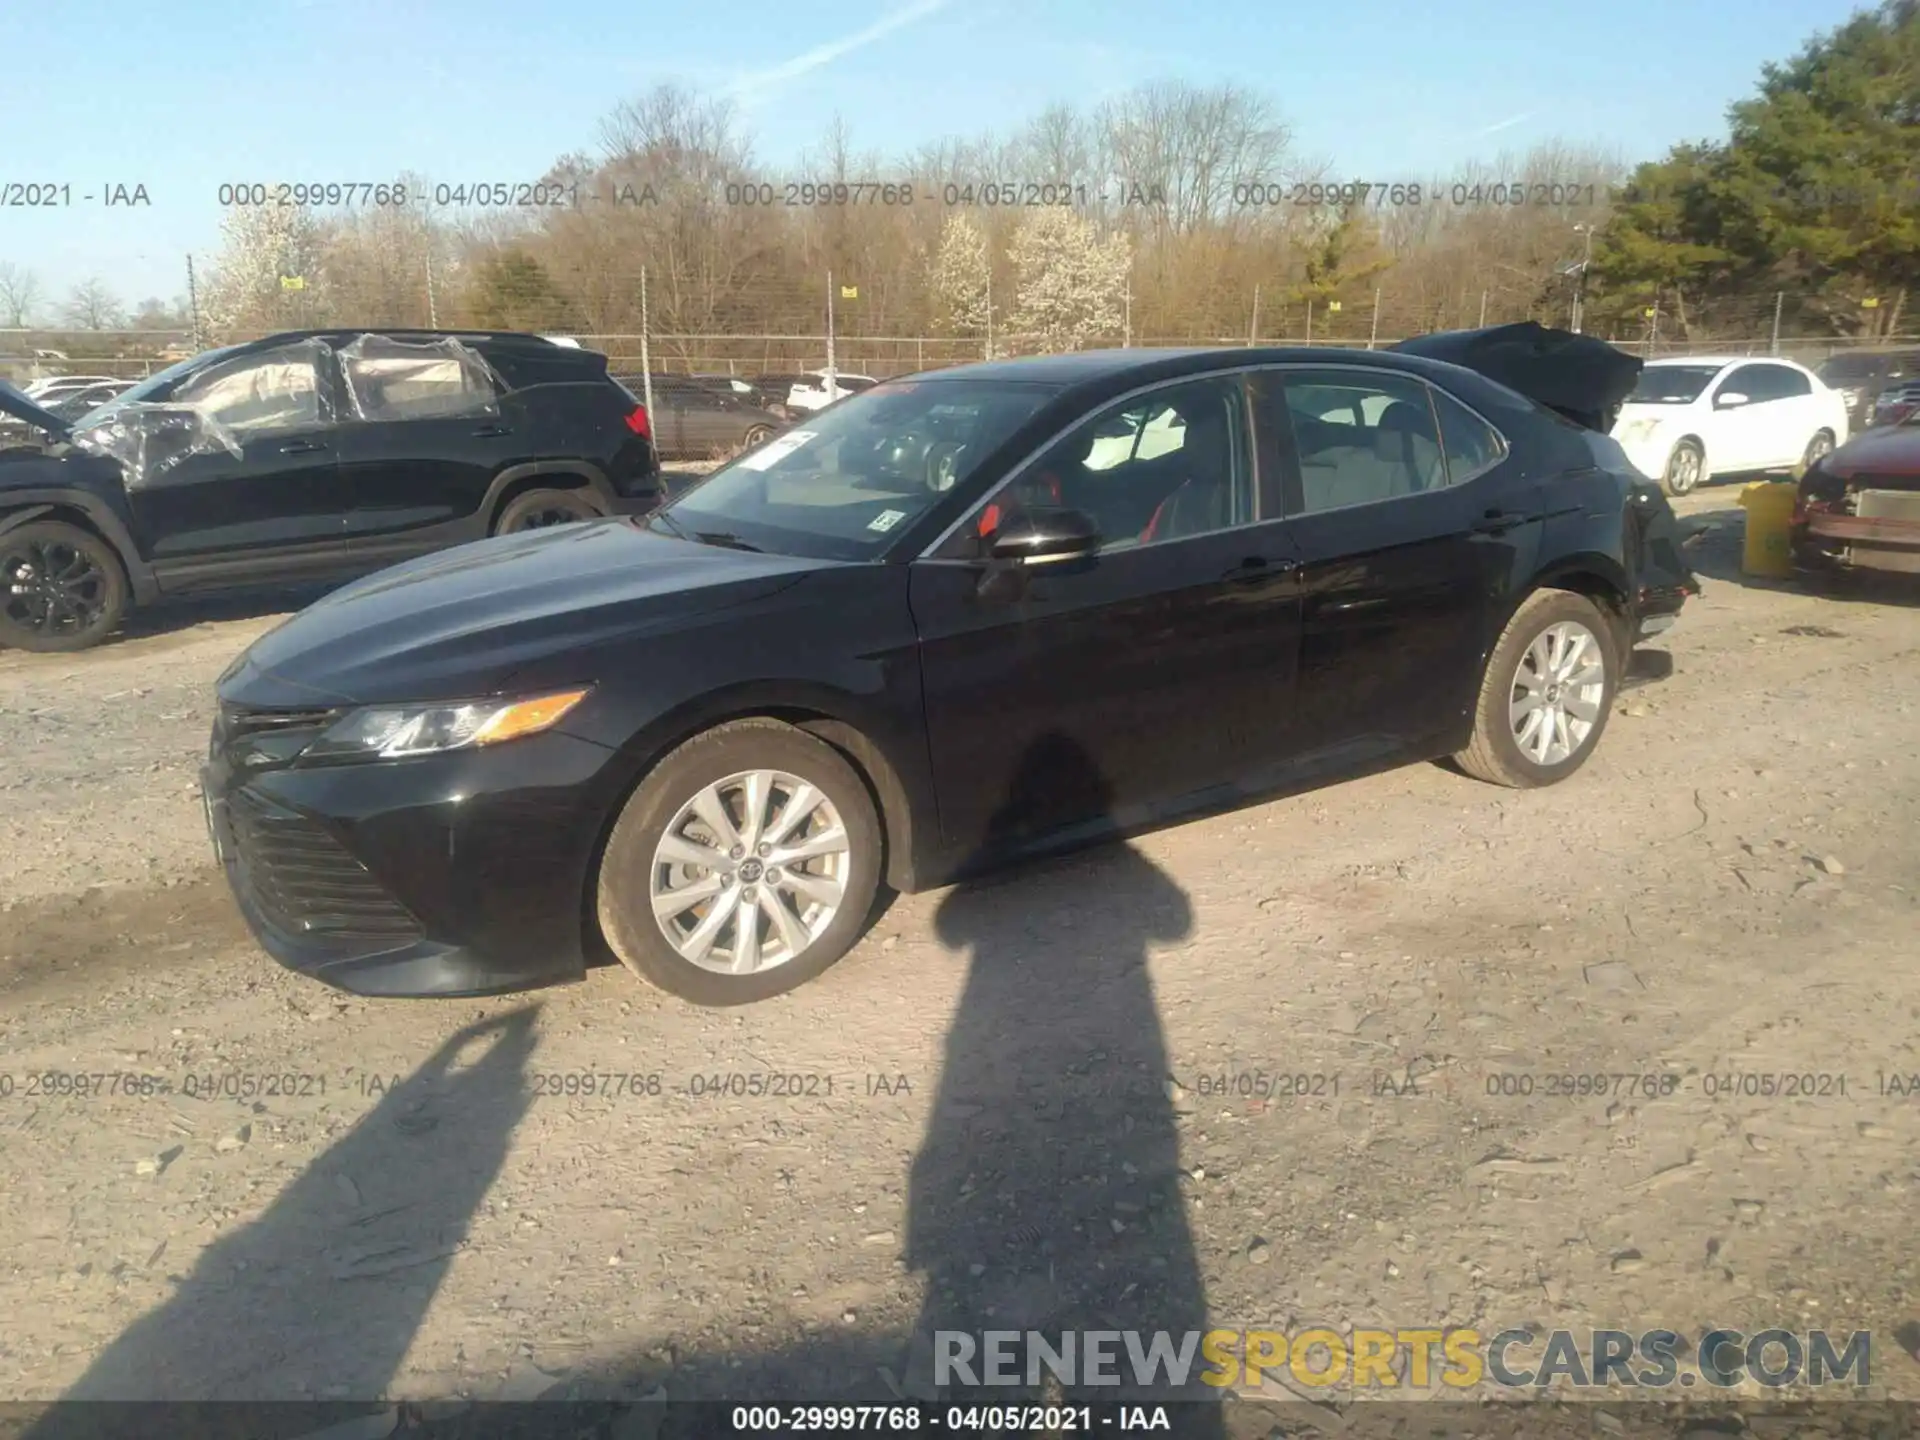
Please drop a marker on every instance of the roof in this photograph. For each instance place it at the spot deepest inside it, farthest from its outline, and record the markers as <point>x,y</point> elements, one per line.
<point>1085,367</point>
<point>401,332</point>
<point>1724,360</point>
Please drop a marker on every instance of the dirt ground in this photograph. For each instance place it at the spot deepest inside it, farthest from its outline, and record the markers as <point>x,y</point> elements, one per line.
<point>1062,1098</point>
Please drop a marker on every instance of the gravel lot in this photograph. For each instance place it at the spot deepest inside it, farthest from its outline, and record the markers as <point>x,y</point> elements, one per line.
<point>1024,1125</point>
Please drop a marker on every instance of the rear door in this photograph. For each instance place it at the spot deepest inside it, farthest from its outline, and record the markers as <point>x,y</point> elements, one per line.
<point>1166,659</point>
<point>424,431</point>
<point>1399,524</point>
<point>244,467</point>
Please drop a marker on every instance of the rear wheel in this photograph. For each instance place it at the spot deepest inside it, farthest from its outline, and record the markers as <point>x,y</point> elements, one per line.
<point>757,436</point>
<point>743,866</point>
<point>62,588</point>
<point>540,509</point>
<point>1818,449</point>
<point>1684,468</point>
<point>1546,694</point>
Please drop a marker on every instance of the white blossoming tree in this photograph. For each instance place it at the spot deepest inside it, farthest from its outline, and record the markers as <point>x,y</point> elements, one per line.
<point>961,271</point>
<point>261,245</point>
<point>1070,285</point>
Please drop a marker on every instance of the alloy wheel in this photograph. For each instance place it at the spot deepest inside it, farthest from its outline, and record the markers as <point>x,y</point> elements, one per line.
<point>1557,693</point>
<point>51,587</point>
<point>749,872</point>
<point>1683,471</point>
<point>551,516</point>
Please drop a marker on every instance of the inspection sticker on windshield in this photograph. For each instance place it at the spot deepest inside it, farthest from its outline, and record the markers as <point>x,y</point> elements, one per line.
<point>886,519</point>
<point>777,449</point>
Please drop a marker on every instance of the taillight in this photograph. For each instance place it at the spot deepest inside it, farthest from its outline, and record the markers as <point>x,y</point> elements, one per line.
<point>637,422</point>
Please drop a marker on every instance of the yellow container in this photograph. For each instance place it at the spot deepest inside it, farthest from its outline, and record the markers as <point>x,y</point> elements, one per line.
<point>1769,507</point>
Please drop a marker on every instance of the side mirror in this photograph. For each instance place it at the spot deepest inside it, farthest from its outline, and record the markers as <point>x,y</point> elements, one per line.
<point>1727,399</point>
<point>1041,536</point>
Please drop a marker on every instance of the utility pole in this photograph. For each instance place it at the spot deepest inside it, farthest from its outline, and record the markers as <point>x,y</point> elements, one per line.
<point>1779,296</point>
<point>433,310</point>
<point>1309,322</point>
<point>1483,310</point>
<point>646,361</point>
<point>1580,278</point>
<point>989,354</point>
<point>831,386</point>
<point>1373,335</point>
<point>1253,325</point>
<point>1128,343</point>
<point>193,306</point>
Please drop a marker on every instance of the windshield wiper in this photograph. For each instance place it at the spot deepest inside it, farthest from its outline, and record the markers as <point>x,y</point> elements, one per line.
<point>726,540</point>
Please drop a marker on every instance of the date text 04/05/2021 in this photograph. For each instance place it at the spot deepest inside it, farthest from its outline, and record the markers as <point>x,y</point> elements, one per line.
<point>955,1419</point>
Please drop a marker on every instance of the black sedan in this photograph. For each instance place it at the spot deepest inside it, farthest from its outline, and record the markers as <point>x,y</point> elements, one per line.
<point>963,619</point>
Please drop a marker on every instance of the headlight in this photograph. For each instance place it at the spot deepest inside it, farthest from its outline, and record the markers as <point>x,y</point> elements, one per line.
<point>391,732</point>
<point>1635,430</point>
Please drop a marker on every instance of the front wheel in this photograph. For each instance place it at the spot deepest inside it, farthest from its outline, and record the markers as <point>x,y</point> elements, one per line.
<point>757,437</point>
<point>61,588</point>
<point>1546,694</point>
<point>742,867</point>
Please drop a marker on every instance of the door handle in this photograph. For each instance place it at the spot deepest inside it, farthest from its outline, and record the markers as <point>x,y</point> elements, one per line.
<point>1498,522</point>
<point>1259,567</point>
<point>301,447</point>
<point>491,430</point>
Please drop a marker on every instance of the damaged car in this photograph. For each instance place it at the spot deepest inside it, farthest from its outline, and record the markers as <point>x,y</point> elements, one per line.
<point>304,457</point>
<point>920,636</point>
<point>1859,508</point>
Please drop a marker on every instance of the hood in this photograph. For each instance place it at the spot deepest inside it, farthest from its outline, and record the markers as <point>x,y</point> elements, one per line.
<point>1582,378</point>
<point>14,402</point>
<point>460,623</point>
<point>1891,450</point>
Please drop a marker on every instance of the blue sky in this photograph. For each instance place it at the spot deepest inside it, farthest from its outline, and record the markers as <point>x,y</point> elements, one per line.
<point>182,97</point>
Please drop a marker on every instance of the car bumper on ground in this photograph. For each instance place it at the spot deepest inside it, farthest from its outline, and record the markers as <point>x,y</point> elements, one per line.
<point>1856,542</point>
<point>449,875</point>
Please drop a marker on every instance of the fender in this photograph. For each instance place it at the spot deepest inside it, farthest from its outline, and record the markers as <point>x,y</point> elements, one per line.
<point>897,769</point>
<point>36,502</point>
<point>596,478</point>
<point>1586,565</point>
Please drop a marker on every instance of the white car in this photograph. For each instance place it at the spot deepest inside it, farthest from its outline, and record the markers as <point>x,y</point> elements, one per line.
<point>1696,416</point>
<point>52,386</point>
<point>822,387</point>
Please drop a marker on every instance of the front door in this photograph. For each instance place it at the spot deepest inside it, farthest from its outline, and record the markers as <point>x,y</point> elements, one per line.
<point>1161,663</point>
<point>243,465</point>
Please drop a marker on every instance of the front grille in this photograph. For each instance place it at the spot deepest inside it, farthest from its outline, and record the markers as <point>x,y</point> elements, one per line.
<point>304,882</point>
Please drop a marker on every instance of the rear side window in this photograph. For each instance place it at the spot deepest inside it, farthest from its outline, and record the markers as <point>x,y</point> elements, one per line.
<point>521,370</point>
<point>1472,446</point>
<point>1362,438</point>
<point>1788,384</point>
<point>390,379</point>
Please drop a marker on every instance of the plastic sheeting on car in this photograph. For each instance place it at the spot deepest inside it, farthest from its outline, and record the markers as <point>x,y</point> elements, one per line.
<point>1582,378</point>
<point>390,379</point>
<point>263,393</point>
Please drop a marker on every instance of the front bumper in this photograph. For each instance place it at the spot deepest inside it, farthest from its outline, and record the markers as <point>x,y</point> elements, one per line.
<point>1851,542</point>
<point>446,875</point>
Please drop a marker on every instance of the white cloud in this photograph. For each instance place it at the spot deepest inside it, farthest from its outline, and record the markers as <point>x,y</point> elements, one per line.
<point>1506,124</point>
<point>753,87</point>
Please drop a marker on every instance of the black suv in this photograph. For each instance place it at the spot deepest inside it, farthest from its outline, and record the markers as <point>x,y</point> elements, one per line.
<point>310,456</point>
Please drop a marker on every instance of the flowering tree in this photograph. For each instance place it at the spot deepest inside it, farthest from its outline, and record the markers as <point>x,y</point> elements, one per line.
<point>961,271</point>
<point>1069,283</point>
<point>262,246</point>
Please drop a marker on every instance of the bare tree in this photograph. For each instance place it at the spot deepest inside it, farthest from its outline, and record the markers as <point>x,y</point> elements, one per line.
<point>19,295</point>
<point>90,305</point>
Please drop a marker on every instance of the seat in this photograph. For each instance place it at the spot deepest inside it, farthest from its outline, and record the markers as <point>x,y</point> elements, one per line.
<point>1202,501</point>
<point>1404,441</point>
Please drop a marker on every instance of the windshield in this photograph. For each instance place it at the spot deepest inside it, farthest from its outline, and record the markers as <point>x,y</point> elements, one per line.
<point>147,388</point>
<point>842,485</point>
<point>1672,384</point>
<point>1857,369</point>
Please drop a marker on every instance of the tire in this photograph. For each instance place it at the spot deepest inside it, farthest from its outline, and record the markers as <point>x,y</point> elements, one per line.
<point>1685,468</point>
<point>632,867</point>
<point>758,435</point>
<point>1495,753</point>
<point>538,509</point>
<point>1817,450</point>
<point>90,601</point>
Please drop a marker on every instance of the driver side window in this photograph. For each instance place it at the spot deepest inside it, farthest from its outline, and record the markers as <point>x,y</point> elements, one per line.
<point>1147,470</point>
<point>274,390</point>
